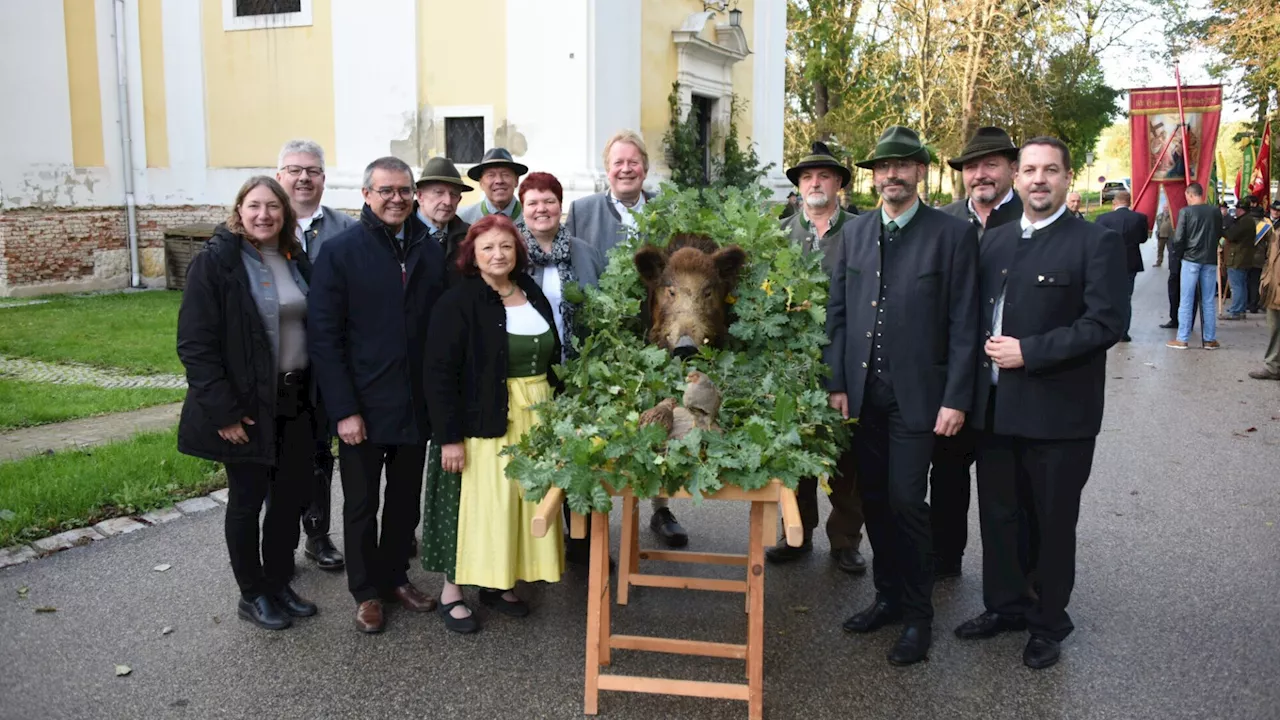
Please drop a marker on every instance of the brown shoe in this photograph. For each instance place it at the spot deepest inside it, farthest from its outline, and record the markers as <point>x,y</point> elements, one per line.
<point>369,617</point>
<point>412,599</point>
<point>1211,345</point>
<point>1264,375</point>
<point>1176,345</point>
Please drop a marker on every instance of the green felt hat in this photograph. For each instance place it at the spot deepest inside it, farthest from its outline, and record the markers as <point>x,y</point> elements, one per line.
<point>442,169</point>
<point>897,143</point>
<point>820,156</point>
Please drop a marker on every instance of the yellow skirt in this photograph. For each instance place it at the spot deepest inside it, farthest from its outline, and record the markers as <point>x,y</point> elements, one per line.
<point>495,547</point>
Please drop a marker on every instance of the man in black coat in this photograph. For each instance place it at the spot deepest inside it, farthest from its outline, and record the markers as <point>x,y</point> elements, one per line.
<point>1132,228</point>
<point>371,300</point>
<point>1052,297</point>
<point>986,166</point>
<point>902,319</point>
<point>439,190</point>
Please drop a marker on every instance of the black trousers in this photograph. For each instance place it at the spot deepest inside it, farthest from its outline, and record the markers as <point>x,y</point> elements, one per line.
<point>285,490</point>
<point>949,494</point>
<point>377,563</point>
<point>1175,289</point>
<point>1252,282</point>
<point>316,518</point>
<point>844,524</point>
<point>1044,479</point>
<point>893,477</point>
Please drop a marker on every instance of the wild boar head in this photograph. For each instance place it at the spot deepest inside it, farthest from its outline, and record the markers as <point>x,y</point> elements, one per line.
<point>688,282</point>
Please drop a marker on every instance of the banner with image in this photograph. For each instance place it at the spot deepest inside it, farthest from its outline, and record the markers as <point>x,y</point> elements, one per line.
<point>1170,147</point>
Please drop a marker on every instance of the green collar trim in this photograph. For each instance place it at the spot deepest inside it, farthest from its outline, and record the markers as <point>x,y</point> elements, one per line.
<point>902,220</point>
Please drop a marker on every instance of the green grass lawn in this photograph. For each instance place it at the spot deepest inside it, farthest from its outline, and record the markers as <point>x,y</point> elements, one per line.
<point>47,494</point>
<point>26,404</point>
<point>136,332</point>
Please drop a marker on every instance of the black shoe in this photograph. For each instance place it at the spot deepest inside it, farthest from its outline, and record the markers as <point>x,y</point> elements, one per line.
<point>494,599</point>
<point>413,548</point>
<point>990,624</point>
<point>850,560</point>
<point>912,646</point>
<point>879,614</point>
<point>1126,338</point>
<point>578,552</point>
<point>1171,325</point>
<point>465,625</point>
<point>1041,652</point>
<point>664,524</point>
<point>264,613</point>
<point>784,553</point>
<point>290,602</point>
<point>946,569</point>
<point>321,550</point>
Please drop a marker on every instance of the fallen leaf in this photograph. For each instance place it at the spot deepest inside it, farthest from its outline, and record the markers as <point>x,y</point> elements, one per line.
<point>7,515</point>
<point>216,620</point>
<point>1119,514</point>
<point>1133,492</point>
<point>22,592</point>
<point>1270,524</point>
<point>122,670</point>
<point>1149,364</point>
<point>162,567</point>
<point>46,609</point>
<point>800,609</point>
<point>1252,429</point>
<point>166,630</point>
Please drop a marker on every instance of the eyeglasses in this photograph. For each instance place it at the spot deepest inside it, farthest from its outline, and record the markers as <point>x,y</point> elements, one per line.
<point>386,193</point>
<point>296,170</point>
<point>899,165</point>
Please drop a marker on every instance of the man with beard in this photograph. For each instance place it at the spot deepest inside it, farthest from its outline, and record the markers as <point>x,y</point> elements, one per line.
<point>986,167</point>
<point>1053,290</point>
<point>439,190</point>
<point>497,172</point>
<point>815,227</point>
<point>902,318</point>
<point>301,174</point>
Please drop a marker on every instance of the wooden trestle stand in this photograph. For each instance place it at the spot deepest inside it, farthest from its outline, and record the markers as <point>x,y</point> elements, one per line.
<point>601,641</point>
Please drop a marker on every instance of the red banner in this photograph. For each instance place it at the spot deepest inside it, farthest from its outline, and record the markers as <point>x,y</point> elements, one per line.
<point>1260,183</point>
<point>1172,143</point>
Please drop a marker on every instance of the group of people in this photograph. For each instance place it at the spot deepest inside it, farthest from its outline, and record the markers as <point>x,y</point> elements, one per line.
<point>973,333</point>
<point>417,336</point>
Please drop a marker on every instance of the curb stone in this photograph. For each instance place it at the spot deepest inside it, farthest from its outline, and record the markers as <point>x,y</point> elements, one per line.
<point>221,496</point>
<point>17,555</point>
<point>118,526</point>
<point>161,516</point>
<point>197,505</point>
<point>68,539</point>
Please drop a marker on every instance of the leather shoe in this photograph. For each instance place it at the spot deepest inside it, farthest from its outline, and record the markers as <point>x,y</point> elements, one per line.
<point>493,599</point>
<point>664,524</point>
<point>464,625</point>
<point>1041,652</point>
<point>413,599</point>
<point>876,616</point>
<point>320,549</point>
<point>289,601</point>
<point>946,569</point>
<point>1263,374</point>
<point>1125,338</point>
<point>850,560</point>
<point>1171,325</point>
<point>990,624</point>
<point>369,616</point>
<point>784,553</point>
<point>912,646</point>
<point>263,612</point>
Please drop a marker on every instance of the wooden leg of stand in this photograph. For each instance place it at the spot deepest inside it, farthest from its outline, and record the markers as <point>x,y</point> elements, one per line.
<point>597,589</point>
<point>630,537</point>
<point>755,615</point>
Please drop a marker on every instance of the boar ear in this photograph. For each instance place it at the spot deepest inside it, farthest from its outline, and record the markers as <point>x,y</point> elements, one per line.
<point>650,262</point>
<point>729,261</point>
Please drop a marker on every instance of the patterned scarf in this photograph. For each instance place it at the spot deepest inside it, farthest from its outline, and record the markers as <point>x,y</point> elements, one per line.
<point>561,257</point>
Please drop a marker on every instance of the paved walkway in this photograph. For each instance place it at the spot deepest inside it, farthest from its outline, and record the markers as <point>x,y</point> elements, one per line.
<point>1174,604</point>
<point>77,374</point>
<point>23,442</point>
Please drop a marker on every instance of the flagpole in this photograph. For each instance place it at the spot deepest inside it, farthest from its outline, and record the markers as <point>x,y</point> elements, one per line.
<point>1182,118</point>
<point>1154,167</point>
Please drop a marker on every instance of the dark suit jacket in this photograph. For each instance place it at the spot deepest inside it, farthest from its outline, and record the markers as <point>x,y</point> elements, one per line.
<point>1006,213</point>
<point>1132,228</point>
<point>1065,298</point>
<point>931,314</point>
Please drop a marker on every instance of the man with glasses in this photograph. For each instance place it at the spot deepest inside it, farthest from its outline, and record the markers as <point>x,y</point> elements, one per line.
<point>439,190</point>
<point>903,322</point>
<point>372,293</point>
<point>301,173</point>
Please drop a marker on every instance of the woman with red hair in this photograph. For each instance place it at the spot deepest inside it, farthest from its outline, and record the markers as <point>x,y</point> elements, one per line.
<point>491,344</point>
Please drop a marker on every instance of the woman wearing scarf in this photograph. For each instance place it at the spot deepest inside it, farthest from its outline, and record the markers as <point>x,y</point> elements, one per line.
<point>556,260</point>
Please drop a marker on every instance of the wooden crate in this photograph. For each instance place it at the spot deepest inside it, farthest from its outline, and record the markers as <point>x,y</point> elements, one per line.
<point>180,246</point>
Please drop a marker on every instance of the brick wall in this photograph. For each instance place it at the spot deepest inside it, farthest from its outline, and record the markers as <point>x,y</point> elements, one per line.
<point>67,249</point>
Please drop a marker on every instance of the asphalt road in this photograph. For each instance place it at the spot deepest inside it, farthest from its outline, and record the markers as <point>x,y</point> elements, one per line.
<point>1174,602</point>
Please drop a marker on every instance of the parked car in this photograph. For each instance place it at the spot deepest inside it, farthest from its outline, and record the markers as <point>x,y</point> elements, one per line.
<point>1228,197</point>
<point>1112,187</point>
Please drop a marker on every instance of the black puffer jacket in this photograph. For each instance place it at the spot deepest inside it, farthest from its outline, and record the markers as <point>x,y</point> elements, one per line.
<point>467,356</point>
<point>223,345</point>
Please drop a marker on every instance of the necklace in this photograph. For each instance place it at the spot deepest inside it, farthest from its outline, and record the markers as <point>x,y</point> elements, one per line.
<point>509,293</point>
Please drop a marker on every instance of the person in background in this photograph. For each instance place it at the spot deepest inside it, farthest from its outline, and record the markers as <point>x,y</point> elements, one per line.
<point>301,174</point>
<point>1270,299</point>
<point>1132,228</point>
<point>1164,230</point>
<point>439,189</point>
<point>1261,253</point>
<point>1195,241</point>
<point>1073,205</point>
<point>242,337</point>
<point>374,290</point>
<point>497,172</point>
<point>1238,256</point>
<point>492,343</point>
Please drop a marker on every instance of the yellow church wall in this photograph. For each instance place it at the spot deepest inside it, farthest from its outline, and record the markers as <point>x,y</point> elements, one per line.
<point>263,87</point>
<point>743,71</point>
<point>462,60</point>
<point>151,43</point>
<point>80,24</point>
